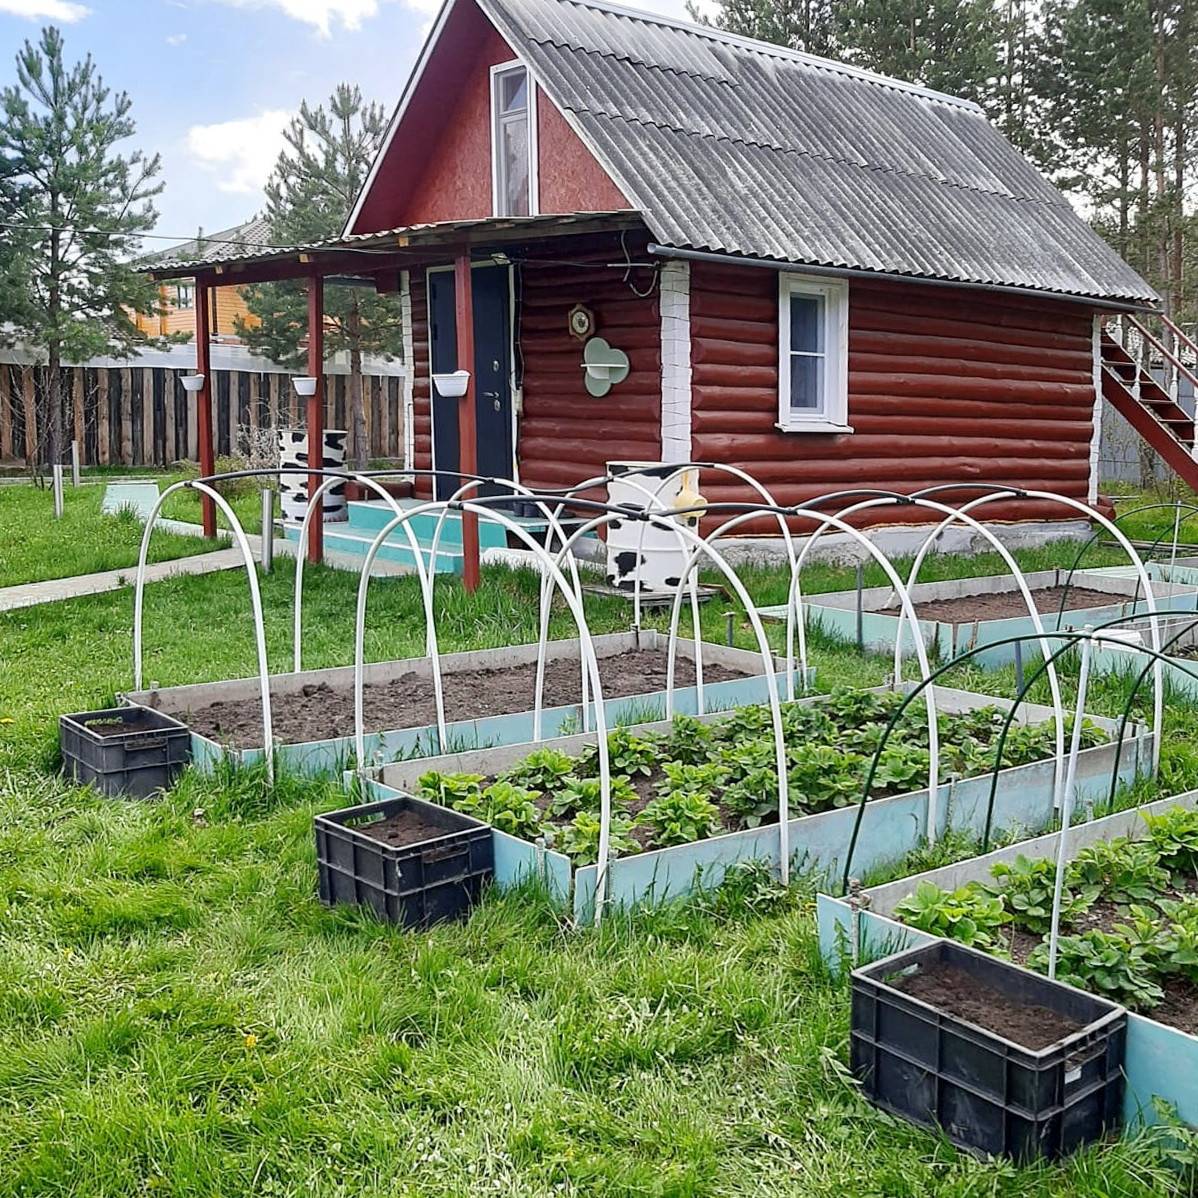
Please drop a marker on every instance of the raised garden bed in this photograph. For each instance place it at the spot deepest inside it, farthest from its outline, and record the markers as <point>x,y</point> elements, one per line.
<point>1179,643</point>
<point>410,862</point>
<point>698,795</point>
<point>969,613</point>
<point>1004,1061</point>
<point>489,698</point>
<point>130,752</point>
<point>1131,899</point>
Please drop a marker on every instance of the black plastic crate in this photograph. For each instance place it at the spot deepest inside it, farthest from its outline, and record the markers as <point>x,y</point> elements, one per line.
<point>141,758</point>
<point>987,1093</point>
<point>414,884</point>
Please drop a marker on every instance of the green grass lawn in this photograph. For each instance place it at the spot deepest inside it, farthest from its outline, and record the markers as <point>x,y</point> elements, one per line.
<point>35,547</point>
<point>180,1016</point>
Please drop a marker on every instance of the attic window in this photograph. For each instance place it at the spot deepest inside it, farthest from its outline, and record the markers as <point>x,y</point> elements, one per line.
<point>813,354</point>
<point>513,140</point>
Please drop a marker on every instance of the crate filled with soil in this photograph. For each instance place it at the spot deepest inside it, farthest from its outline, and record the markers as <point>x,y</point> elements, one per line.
<point>410,862</point>
<point>129,752</point>
<point>1003,1060</point>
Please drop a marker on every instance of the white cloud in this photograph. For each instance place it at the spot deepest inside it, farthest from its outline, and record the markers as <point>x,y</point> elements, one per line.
<point>321,14</point>
<point>239,154</point>
<point>176,39</point>
<point>54,10</point>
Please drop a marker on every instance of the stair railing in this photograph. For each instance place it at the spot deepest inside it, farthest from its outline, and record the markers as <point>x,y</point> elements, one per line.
<point>1168,357</point>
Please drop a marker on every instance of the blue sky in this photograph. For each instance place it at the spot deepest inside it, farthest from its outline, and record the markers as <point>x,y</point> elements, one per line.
<point>213,82</point>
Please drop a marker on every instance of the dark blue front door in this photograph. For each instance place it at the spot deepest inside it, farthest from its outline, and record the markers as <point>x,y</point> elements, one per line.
<point>492,368</point>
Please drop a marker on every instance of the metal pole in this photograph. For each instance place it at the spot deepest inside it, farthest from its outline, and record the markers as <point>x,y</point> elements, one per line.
<point>1176,532</point>
<point>268,530</point>
<point>315,413</point>
<point>57,470</point>
<point>74,463</point>
<point>860,608</point>
<point>1067,803</point>
<point>730,627</point>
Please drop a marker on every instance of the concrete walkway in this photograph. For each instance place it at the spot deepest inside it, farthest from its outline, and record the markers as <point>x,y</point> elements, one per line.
<point>32,593</point>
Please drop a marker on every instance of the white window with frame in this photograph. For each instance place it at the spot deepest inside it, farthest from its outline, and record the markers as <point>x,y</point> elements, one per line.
<point>813,354</point>
<point>185,296</point>
<point>513,141</point>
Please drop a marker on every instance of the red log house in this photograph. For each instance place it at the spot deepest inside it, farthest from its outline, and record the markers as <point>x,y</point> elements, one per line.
<point>829,278</point>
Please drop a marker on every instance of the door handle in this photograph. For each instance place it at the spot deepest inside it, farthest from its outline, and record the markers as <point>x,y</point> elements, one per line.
<point>491,394</point>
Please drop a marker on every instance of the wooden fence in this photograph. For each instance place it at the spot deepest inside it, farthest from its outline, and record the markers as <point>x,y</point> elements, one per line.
<point>141,416</point>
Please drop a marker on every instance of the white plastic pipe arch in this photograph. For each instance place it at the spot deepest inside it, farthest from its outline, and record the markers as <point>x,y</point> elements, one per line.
<point>884,562</point>
<point>953,515</point>
<point>700,547</point>
<point>1158,696</point>
<point>315,503</point>
<point>586,645</point>
<point>268,747</point>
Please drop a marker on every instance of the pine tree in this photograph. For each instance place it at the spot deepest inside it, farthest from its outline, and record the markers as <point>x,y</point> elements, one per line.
<point>75,211</point>
<point>808,25</point>
<point>308,198</point>
<point>954,46</point>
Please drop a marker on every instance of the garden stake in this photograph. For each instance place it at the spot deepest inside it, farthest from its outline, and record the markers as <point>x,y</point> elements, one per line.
<point>1067,801</point>
<point>730,628</point>
<point>268,530</point>
<point>860,608</point>
<point>1019,666</point>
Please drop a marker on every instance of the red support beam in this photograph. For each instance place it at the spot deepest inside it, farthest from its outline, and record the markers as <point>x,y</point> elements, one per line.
<point>467,430</point>
<point>316,411</point>
<point>204,404</point>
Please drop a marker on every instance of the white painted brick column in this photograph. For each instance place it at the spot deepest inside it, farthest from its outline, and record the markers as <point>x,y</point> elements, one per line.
<point>408,405</point>
<point>675,293</point>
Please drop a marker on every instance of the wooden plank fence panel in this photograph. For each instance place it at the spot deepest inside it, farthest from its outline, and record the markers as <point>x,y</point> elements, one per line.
<point>124,413</point>
<point>91,418</point>
<point>137,420</point>
<point>72,382</point>
<point>222,415</point>
<point>5,415</point>
<point>104,411</point>
<point>29,412</point>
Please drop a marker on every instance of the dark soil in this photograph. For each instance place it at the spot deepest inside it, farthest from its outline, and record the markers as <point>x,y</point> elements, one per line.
<point>404,827</point>
<point>1001,606</point>
<point>1180,1006</point>
<point>950,989</point>
<point>322,712</point>
<point>119,727</point>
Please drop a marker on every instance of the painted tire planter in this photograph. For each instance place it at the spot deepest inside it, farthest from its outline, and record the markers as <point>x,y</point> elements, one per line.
<point>333,756</point>
<point>891,827</point>
<point>125,752</point>
<point>412,863</point>
<point>990,1093</point>
<point>636,549</point>
<point>874,614</point>
<point>293,488</point>
<point>1159,1062</point>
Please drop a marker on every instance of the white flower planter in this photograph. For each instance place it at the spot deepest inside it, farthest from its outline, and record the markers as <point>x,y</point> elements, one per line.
<point>293,488</point>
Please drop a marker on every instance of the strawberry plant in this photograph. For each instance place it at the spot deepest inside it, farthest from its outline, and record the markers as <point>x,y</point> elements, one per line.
<point>679,816</point>
<point>585,794</point>
<point>691,740</point>
<point>1105,963</point>
<point>1174,835</point>
<point>450,789</point>
<point>542,770</point>
<point>580,838</point>
<point>968,914</point>
<point>1122,871</point>
<point>1026,886</point>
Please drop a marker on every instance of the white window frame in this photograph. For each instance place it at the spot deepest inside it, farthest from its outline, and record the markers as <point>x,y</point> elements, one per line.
<point>498,71</point>
<point>185,303</point>
<point>833,415</point>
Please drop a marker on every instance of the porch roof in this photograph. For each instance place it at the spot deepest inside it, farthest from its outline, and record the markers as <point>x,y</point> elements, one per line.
<point>364,254</point>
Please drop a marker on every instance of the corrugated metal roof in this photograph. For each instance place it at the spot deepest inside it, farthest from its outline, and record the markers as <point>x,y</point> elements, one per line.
<point>247,238</point>
<point>440,232</point>
<point>731,145</point>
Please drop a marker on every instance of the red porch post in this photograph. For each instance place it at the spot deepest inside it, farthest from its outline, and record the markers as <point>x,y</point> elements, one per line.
<point>316,411</point>
<point>467,432</point>
<point>204,402</point>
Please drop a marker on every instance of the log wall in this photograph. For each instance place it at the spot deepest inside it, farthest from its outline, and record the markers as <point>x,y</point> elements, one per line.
<point>564,434</point>
<point>944,386</point>
<point>141,416</point>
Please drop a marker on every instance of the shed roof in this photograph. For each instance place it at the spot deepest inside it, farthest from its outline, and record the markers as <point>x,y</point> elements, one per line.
<point>249,237</point>
<point>742,147</point>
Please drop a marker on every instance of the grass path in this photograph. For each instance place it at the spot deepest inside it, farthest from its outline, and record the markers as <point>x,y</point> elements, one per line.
<point>180,1016</point>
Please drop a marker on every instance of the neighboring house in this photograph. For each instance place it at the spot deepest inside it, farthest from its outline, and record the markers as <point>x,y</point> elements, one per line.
<point>226,304</point>
<point>831,279</point>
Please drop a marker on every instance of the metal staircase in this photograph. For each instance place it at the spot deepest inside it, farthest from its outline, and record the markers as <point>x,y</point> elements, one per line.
<point>1143,370</point>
